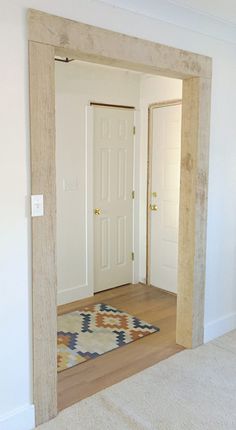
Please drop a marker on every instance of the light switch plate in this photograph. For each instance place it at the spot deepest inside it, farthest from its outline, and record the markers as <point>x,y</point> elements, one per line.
<point>37,208</point>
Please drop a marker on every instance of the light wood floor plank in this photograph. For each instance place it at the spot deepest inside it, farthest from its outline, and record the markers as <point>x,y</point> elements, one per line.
<point>148,303</point>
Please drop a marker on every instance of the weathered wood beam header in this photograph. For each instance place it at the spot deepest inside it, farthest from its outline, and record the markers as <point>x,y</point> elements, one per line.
<point>98,45</point>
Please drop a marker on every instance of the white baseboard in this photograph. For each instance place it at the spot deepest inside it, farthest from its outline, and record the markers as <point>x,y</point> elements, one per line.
<point>19,419</point>
<point>70,295</point>
<point>219,327</point>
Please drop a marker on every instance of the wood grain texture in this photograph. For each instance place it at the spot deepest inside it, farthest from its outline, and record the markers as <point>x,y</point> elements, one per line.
<point>148,303</point>
<point>91,43</point>
<point>193,211</point>
<point>49,35</point>
<point>42,130</point>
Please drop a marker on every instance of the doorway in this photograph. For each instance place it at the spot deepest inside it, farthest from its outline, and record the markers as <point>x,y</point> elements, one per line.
<point>105,145</point>
<point>99,140</point>
<point>164,147</point>
<point>113,160</point>
<point>48,35</point>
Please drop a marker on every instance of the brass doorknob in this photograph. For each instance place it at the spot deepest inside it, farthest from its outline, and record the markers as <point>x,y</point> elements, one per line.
<point>153,207</point>
<point>97,211</point>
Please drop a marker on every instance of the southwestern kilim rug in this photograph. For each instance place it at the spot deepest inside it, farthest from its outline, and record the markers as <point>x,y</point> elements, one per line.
<point>95,330</point>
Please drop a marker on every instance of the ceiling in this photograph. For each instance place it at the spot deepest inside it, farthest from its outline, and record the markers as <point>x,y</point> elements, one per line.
<point>222,10</point>
<point>217,9</point>
<point>215,18</point>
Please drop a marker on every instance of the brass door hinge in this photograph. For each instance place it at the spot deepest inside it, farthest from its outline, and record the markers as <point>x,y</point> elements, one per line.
<point>133,194</point>
<point>134,129</point>
<point>132,256</point>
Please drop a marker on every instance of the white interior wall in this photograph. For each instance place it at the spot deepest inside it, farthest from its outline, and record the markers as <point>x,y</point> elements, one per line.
<point>16,411</point>
<point>77,84</point>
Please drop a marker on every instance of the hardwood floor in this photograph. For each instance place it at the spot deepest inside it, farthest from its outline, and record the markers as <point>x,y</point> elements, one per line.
<point>148,303</point>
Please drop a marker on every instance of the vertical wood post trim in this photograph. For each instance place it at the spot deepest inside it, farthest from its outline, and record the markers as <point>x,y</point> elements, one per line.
<point>42,130</point>
<point>193,211</point>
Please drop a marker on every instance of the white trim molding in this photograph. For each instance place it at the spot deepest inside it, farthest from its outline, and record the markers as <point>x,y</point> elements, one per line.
<point>136,202</point>
<point>73,294</point>
<point>219,327</point>
<point>22,418</point>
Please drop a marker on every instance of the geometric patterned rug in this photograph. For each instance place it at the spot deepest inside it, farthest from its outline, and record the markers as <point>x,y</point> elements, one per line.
<point>95,330</point>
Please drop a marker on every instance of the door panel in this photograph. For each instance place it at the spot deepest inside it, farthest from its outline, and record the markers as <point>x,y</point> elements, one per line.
<point>105,243</point>
<point>166,146</point>
<point>113,185</point>
<point>122,174</point>
<point>121,240</point>
<point>105,186</point>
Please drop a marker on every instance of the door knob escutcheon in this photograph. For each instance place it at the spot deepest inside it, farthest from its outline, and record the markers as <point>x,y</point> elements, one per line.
<point>153,207</point>
<point>97,211</point>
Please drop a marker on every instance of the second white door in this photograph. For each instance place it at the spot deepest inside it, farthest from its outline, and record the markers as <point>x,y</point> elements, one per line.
<point>166,146</point>
<point>113,203</point>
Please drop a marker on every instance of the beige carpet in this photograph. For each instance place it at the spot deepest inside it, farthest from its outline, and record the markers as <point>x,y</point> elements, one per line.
<point>193,390</point>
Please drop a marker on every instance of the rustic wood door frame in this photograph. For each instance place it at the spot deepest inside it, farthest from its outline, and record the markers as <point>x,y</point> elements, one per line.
<point>49,36</point>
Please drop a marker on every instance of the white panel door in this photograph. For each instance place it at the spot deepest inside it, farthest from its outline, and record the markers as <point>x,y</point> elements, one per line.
<point>166,147</point>
<point>113,185</point>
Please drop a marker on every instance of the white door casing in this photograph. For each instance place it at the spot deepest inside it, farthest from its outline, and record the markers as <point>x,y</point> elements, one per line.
<point>165,180</point>
<point>113,184</point>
